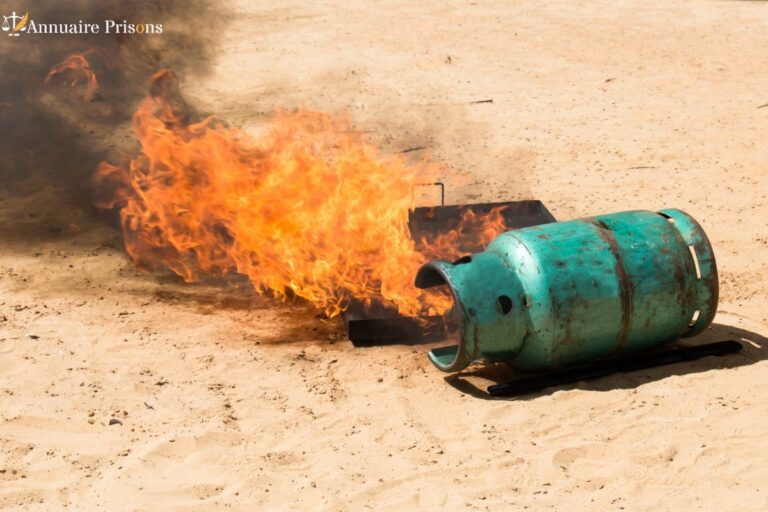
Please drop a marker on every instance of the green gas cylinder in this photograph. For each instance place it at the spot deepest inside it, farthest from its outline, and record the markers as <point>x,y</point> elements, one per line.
<point>568,293</point>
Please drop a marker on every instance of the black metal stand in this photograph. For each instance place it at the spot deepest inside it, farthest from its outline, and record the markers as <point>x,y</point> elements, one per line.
<point>597,369</point>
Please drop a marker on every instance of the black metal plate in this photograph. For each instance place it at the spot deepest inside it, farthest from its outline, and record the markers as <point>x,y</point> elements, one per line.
<point>378,325</point>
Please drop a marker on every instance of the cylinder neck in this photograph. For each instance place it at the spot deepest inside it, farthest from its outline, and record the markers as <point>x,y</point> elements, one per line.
<point>490,302</point>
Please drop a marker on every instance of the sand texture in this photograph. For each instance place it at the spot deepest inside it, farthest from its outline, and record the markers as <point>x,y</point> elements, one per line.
<point>228,400</point>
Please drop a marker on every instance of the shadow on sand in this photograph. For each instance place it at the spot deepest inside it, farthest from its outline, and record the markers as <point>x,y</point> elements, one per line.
<point>755,349</point>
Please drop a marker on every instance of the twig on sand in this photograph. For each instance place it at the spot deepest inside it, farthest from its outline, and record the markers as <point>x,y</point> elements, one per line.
<point>416,148</point>
<point>763,105</point>
<point>481,101</point>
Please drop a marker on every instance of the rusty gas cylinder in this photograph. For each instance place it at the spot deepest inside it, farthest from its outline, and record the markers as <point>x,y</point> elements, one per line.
<point>571,292</point>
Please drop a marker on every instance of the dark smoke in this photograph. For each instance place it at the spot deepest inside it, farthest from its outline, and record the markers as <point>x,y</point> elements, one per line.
<point>51,137</point>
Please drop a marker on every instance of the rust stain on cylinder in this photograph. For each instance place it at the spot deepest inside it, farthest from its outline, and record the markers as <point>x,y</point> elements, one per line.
<point>625,284</point>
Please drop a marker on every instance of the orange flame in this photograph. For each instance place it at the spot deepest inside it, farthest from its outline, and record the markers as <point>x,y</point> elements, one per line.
<point>310,208</point>
<point>76,68</point>
<point>474,230</point>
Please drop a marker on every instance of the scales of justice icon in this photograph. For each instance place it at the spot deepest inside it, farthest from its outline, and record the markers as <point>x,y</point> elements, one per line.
<point>15,24</point>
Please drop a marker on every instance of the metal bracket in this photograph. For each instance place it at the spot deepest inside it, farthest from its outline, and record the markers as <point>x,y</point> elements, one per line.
<point>435,184</point>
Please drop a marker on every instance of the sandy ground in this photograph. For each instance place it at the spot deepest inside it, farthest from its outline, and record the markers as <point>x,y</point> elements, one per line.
<point>228,400</point>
